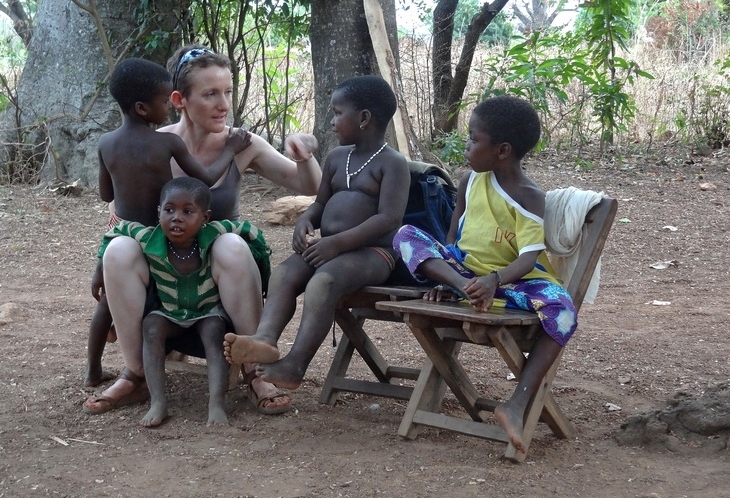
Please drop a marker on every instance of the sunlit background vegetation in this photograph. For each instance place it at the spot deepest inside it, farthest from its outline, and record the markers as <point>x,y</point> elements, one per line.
<point>619,74</point>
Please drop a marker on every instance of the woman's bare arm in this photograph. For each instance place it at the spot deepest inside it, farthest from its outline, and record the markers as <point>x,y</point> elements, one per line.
<point>302,176</point>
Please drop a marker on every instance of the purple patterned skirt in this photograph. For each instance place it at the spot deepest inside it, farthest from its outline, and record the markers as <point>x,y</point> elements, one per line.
<point>550,301</point>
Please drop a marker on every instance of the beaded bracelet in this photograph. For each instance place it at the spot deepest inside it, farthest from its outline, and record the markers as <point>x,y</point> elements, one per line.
<point>499,277</point>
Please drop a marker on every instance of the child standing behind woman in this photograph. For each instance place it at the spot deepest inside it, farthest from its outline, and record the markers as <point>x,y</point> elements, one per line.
<point>178,251</point>
<point>359,206</point>
<point>496,244</point>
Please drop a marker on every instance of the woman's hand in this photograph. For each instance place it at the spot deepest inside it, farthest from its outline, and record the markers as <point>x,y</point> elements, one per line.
<point>301,146</point>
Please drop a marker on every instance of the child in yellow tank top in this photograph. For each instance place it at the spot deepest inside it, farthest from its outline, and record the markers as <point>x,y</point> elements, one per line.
<point>495,251</point>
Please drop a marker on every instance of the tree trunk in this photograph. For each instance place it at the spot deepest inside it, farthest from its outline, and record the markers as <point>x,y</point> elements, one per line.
<point>341,48</point>
<point>449,87</point>
<point>443,38</point>
<point>63,98</point>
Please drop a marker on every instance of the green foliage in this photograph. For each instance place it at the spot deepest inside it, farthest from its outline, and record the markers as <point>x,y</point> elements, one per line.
<point>537,69</point>
<point>688,27</point>
<point>450,147</point>
<point>499,31</point>
<point>277,75</point>
<point>607,29</point>
<point>584,164</point>
<point>541,67</point>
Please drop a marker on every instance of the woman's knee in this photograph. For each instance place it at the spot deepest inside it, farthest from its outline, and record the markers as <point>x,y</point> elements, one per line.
<point>124,255</point>
<point>230,253</point>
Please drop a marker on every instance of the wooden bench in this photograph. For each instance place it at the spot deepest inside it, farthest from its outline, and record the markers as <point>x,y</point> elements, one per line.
<point>441,328</point>
<point>510,331</point>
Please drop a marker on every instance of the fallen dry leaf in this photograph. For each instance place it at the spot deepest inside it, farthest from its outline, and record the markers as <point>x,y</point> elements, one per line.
<point>663,265</point>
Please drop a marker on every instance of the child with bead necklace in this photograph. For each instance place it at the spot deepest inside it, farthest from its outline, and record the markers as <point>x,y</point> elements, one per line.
<point>178,252</point>
<point>359,206</point>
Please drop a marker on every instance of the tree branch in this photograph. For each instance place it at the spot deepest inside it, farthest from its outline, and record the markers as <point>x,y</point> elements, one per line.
<point>22,24</point>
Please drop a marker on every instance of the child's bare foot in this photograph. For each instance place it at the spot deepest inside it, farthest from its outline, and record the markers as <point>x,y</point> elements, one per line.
<point>281,373</point>
<point>244,349</point>
<point>155,416</point>
<point>511,421</point>
<point>95,376</point>
<point>217,416</point>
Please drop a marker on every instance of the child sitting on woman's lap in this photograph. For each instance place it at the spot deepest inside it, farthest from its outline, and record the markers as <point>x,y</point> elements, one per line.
<point>178,252</point>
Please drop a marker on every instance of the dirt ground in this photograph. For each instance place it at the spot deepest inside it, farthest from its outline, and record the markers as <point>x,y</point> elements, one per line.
<point>627,352</point>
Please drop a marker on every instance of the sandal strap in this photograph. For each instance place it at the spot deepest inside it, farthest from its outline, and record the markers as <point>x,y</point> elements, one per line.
<point>132,377</point>
<point>248,377</point>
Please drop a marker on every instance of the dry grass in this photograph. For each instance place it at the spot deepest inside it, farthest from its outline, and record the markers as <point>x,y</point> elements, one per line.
<point>680,88</point>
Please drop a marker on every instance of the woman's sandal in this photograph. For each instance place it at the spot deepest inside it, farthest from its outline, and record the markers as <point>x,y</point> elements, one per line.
<point>260,402</point>
<point>139,394</point>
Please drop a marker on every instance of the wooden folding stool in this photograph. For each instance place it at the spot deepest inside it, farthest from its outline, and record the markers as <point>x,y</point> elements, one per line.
<point>441,327</point>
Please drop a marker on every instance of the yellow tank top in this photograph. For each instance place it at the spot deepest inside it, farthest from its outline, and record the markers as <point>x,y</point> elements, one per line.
<point>494,230</point>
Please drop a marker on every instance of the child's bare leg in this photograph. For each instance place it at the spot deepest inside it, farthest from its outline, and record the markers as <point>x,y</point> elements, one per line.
<point>239,282</point>
<point>211,331</point>
<point>510,415</point>
<point>345,274</point>
<point>126,275</point>
<point>439,270</point>
<point>98,330</point>
<point>156,330</point>
<point>288,280</point>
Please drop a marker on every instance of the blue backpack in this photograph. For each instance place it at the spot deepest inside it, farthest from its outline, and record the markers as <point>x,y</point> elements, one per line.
<point>431,201</point>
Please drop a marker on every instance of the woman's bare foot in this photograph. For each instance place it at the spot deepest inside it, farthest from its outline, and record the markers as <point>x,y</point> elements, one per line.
<point>511,421</point>
<point>282,373</point>
<point>244,349</point>
<point>97,375</point>
<point>216,415</point>
<point>155,416</point>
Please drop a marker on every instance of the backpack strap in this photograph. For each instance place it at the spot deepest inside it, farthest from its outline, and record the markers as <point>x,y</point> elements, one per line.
<point>425,169</point>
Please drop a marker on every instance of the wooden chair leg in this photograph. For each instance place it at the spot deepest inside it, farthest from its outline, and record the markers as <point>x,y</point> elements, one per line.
<point>234,374</point>
<point>450,369</point>
<point>338,369</point>
<point>428,394</point>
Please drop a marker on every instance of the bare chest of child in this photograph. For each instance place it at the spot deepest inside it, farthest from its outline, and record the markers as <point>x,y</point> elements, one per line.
<point>346,209</point>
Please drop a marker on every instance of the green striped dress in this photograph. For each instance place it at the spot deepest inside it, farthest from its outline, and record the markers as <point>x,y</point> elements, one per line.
<point>189,297</point>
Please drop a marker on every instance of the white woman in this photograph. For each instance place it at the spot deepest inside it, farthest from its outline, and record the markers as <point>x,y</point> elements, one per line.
<point>202,90</point>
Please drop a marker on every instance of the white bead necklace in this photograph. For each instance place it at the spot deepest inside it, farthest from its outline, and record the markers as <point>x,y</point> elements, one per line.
<point>347,165</point>
<point>192,251</point>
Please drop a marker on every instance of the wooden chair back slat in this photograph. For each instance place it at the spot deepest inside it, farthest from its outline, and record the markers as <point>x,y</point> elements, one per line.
<point>598,224</point>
